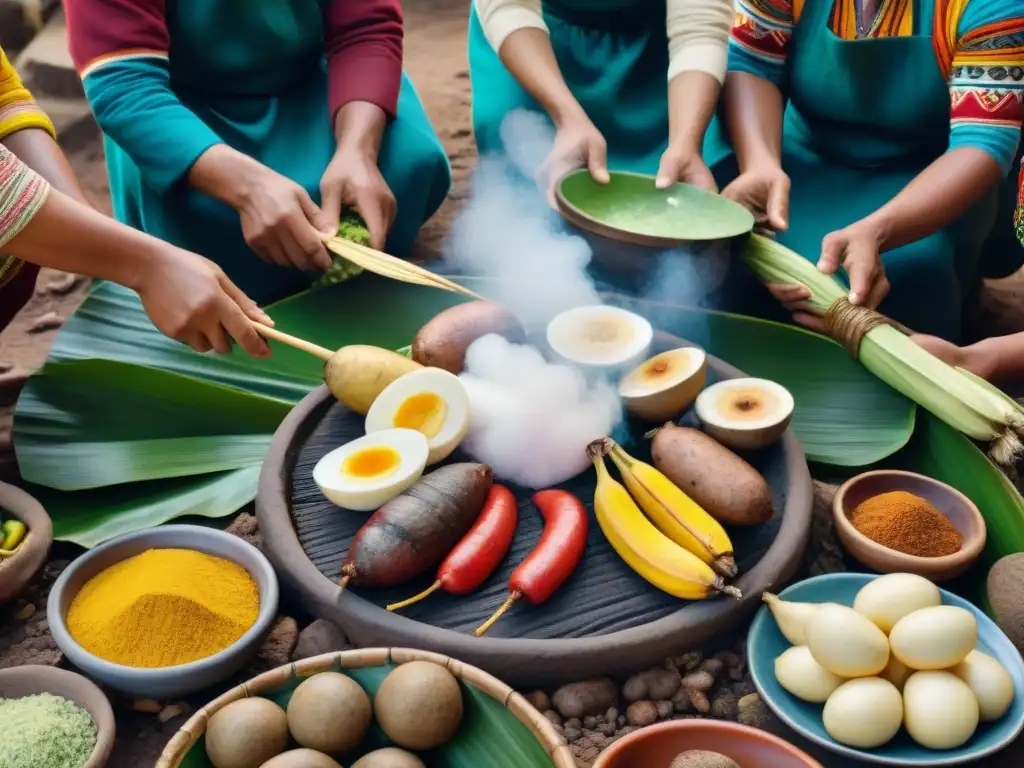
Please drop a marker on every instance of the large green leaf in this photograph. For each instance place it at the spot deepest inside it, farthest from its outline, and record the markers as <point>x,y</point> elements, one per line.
<point>120,405</point>
<point>88,518</point>
<point>844,416</point>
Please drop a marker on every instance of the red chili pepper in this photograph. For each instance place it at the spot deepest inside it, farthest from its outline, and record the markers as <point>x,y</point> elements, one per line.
<point>479,552</point>
<point>554,558</point>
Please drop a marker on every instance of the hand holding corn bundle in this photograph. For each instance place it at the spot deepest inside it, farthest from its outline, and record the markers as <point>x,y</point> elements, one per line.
<point>973,406</point>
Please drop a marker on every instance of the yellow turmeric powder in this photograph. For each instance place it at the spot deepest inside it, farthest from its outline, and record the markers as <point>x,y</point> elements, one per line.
<point>164,607</point>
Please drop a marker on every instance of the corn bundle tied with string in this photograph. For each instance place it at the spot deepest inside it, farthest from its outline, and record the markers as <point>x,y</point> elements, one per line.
<point>969,404</point>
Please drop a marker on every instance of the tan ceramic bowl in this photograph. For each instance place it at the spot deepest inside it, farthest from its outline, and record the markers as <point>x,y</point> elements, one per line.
<point>656,745</point>
<point>32,679</point>
<point>957,508</point>
<point>17,571</point>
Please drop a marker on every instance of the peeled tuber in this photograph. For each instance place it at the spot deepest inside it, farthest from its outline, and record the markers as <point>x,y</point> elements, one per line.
<point>443,341</point>
<point>356,374</point>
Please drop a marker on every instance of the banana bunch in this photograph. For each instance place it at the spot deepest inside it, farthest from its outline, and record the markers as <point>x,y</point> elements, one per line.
<point>683,552</point>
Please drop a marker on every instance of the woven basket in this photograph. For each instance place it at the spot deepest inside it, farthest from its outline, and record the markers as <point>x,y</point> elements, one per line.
<point>16,572</point>
<point>500,729</point>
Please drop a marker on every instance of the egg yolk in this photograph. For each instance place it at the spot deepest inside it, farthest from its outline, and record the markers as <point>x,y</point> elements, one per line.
<point>425,412</point>
<point>372,463</point>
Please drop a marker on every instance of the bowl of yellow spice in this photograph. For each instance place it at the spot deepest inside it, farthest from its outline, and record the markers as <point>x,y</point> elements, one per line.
<point>164,612</point>
<point>903,522</point>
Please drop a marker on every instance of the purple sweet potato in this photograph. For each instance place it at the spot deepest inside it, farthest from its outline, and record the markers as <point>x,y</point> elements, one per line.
<point>416,530</point>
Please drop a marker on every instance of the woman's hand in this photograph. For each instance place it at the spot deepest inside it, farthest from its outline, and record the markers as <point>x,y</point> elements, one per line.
<point>578,144</point>
<point>684,163</point>
<point>190,299</point>
<point>978,358</point>
<point>856,249</point>
<point>764,191</point>
<point>353,179</point>
<point>282,224</point>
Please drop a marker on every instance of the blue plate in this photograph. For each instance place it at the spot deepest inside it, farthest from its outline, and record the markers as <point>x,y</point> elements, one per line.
<point>765,644</point>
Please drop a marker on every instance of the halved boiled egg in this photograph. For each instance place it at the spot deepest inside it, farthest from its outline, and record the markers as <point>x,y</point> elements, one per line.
<point>431,401</point>
<point>600,337</point>
<point>370,471</point>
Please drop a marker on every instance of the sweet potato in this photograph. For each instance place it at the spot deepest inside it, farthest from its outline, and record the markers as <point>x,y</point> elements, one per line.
<point>443,341</point>
<point>414,531</point>
<point>726,486</point>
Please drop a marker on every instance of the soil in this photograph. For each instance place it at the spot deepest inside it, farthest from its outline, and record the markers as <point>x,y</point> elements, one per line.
<point>436,61</point>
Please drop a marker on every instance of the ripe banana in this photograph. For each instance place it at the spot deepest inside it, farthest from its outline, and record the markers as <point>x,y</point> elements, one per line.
<point>645,549</point>
<point>676,514</point>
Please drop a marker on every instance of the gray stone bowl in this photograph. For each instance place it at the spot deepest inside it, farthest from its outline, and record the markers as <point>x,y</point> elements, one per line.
<point>181,680</point>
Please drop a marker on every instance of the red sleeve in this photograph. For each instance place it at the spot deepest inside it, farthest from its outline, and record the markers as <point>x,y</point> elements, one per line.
<point>364,52</point>
<point>102,31</point>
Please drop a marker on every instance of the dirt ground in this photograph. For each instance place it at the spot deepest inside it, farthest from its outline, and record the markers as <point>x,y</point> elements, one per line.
<point>436,61</point>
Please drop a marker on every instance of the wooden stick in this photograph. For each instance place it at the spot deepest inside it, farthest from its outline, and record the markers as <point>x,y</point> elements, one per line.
<point>293,341</point>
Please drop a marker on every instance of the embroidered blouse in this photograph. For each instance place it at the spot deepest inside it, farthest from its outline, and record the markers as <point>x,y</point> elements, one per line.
<point>979,48</point>
<point>698,30</point>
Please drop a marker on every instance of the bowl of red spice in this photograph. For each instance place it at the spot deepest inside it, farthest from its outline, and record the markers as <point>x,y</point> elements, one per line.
<point>901,522</point>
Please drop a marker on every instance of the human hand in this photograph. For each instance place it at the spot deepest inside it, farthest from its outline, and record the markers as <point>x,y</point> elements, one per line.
<point>856,249</point>
<point>353,179</point>
<point>578,144</point>
<point>282,224</point>
<point>764,191</point>
<point>682,163</point>
<point>190,299</point>
<point>974,358</point>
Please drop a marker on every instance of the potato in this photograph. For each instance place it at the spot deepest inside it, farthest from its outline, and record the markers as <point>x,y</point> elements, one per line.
<point>246,733</point>
<point>723,484</point>
<point>389,757</point>
<point>443,341</point>
<point>356,374</point>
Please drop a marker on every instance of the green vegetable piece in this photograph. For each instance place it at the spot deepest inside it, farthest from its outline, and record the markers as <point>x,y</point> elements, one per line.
<point>13,533</point>
<point>353,229</point>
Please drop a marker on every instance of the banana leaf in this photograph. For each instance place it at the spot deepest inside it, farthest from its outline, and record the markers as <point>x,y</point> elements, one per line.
<point>120,410</point>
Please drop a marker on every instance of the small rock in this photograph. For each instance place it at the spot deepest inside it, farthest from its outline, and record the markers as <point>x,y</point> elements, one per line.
<point>700,701</point>
<point>641,713</point>
<point>572,734</point>
<point>25,612</point>
<point>172,711</point>
<point>553,717</point>
<point>753,712</point>
<point>625,730</point>
<point>725,705</point>
<point>148,706</point>
<point>318,638</point>
<point>662,684</point>
<point>246,528</point>
<point>598,740</point>
<point>590,722</point>
<point>688,661</point>
<point>63,284</point>
<point>589,697</point>
<point>609,728</point>
<point>635,688</point>
<point>713,667</point>
<point>681,702</point>
<point>280,642</point>
<point>698,681</point>
<point>664,709</point>
<point>743,688</point>
<point>539,700</point>
<point>573,722</point>
<point>48,322</point>
<point>611,715</point>
<point>620,721</point>
<point>589,754</point>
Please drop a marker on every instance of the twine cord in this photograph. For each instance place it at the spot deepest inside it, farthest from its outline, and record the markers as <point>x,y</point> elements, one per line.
<point>849,323</point>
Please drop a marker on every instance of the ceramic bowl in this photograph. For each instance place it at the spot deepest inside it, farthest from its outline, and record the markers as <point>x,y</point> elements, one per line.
<point>16,572</point>
<point>960,511</point>
<point>164,682</point>
<point>656,746</point>
<point>32,679</point>
<point>765,644</point>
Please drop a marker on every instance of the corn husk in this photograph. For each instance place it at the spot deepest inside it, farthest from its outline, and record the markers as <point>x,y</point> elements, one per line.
<point>386,265</point>
<point>969,404</point>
